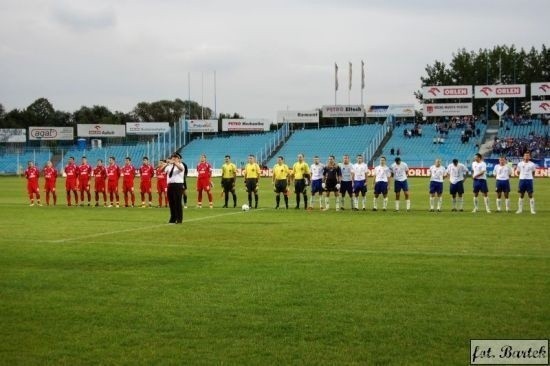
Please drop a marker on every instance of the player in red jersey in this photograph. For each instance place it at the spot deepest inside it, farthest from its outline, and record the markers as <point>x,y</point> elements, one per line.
<point>84,175</point>
<point>32,173</point>
<point>71,172</point>
<point>128,173</point>
<point>162,183</point>
<point>146,172</point>
<point>100,174</point>
<point>204,183</point>
<point>50,177</point>
<point>113,174</point>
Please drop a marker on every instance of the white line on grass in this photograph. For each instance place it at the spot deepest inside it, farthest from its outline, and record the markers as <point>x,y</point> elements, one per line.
<point>145,227</point>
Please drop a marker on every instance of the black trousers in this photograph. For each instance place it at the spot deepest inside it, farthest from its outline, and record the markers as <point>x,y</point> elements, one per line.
<point>175,190</point>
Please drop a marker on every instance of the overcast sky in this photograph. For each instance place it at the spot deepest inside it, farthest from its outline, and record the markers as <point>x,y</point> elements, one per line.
<point>268,55</point>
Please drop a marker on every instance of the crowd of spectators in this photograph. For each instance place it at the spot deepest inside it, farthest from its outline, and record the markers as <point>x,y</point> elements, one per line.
<point>537,145</point>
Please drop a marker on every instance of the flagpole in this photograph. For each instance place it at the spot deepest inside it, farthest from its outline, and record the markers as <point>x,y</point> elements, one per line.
<point>362,88</point>
<point>349,93</point>
<point>335,89</point>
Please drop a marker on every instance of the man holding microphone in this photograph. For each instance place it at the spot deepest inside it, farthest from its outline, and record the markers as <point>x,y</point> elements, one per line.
<point>175,171</point>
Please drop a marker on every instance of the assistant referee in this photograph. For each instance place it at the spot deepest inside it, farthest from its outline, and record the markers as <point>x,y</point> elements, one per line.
<point>176,172</point>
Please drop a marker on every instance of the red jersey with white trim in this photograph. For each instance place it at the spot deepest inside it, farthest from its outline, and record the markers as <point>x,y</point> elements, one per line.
<point>128,173</point>
<point>84,173</point>
<point>204,171</point>
<point>50,176</point>
<point>32,175</point>
<point>71,171</point>
<point>146,172</point>
<point>113,173</point>
<point>162,179</point>
<point>100,174</point>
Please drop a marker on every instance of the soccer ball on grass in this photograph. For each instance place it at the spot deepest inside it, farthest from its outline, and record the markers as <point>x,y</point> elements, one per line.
<point>245,207</point>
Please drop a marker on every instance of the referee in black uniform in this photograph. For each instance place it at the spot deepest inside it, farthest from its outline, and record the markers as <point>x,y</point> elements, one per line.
<point>176,172</point>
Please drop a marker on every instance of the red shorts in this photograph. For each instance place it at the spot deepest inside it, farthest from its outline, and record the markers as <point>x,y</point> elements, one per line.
<point>32,188</point>
<point>145,187</point>
<point>162,187</point>
<point>99,186</point>
<point>203,184</point>
<point>84,185</point>
<point>127,186</point>
<point>70,185</point>
<point>49,187</point>
<point>112,186</point>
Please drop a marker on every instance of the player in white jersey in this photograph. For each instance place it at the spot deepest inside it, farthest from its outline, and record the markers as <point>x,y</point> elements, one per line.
<point>437,174</point>
<point>382,174</point>
<point>346,185</point>
<point>456,173</point>
<point>479,173</point>
<point>502,173</point>
<point>399,172</point>
<point>316,170</point>
<point>526,169</point>
<point>359,174</point>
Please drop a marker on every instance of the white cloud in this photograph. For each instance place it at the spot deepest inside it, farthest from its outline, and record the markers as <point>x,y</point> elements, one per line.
<point>267,55</point>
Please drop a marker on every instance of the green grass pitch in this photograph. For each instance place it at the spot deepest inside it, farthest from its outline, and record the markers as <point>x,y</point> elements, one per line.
<point>87,285</point>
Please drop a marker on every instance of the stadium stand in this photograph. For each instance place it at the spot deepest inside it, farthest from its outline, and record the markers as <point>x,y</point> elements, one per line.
<point>16,163</point>
<point>335,141</point>
<point>238,146</point>
<point>514,138</point>
<point>434,141</point>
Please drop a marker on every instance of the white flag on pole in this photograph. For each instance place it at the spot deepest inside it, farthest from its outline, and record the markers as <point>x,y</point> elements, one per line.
<point>335,76</point>
<point>362,74</point>
<point>350,76</point>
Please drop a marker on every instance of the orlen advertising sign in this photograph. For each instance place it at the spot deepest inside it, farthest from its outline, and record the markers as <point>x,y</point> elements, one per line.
<point>425,172</point>
<point>447,92</point>
<point>100,130</point>
<point>540,107</point>
<point>447,109</point>
<point>334,111</point>
<point>540,89</point>
<point>51,133</point>
<point>202,125</point>
<point>311,116</point>
<point>241,124</point>
<point>500,91</point>
<point>147,128</point>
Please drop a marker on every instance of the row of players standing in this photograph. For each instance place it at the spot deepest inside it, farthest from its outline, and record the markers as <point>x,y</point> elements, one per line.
<point>351,179</point>
<point>339,179</point>
<point>106,180</point>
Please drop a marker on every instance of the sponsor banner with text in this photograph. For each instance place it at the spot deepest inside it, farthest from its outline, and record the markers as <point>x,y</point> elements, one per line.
<point>51,133</point>
<point>447,92</point>
<point>396,110</point>
<point>100,130</point>
<point>425,172</point>
<point>202,125</point>
<point>540,107</point>
<point>500,91</point>
<point>447,109</point>
<point>540,89</point>
<point>345,111</point>
<point>147,128</point>
<point>309,116</point>
<point>12,135</point>
<point>245,124</point>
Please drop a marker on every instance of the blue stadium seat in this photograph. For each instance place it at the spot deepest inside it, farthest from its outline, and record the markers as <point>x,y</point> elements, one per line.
<point>337,141</point>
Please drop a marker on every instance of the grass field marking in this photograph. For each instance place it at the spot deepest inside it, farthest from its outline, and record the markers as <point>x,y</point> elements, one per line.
<point>145,227</point>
